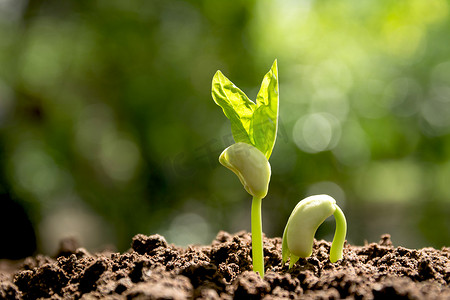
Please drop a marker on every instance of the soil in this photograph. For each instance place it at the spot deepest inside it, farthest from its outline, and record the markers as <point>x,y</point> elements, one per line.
<point>154,269</point>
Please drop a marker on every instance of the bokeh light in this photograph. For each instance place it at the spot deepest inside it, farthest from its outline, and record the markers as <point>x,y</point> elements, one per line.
<point>108,128</point>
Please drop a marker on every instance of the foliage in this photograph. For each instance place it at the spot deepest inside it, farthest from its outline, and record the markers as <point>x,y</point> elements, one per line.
<point>254,124</point>
<point>105,115</point>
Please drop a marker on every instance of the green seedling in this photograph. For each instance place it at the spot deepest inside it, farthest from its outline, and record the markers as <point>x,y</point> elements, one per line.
<point>308,214</point>
<point>254,128</point>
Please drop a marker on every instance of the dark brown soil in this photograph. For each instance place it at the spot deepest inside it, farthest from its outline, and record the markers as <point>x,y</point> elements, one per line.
<point>153,269</point>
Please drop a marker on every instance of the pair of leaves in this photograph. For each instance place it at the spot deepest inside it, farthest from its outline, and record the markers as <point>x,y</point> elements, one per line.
<point>254,124</point>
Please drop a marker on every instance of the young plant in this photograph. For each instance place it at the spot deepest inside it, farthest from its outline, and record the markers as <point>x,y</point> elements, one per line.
<point>254,128</point>
<point>308,214</point>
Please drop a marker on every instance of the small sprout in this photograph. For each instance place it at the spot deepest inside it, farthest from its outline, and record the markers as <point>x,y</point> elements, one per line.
<point>250,165</point>
<point>254,128</point>
<point>308,214</point>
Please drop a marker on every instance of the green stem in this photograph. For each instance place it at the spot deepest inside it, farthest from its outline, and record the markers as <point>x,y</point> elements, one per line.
<point>257,242</point>
<point>339,236</point>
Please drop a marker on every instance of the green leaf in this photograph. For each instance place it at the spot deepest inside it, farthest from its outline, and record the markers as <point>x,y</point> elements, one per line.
<point>236,106</point>
<point>254,124</point>
<point>265,118</point>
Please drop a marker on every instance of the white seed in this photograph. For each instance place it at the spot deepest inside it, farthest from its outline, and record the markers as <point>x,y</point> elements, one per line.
<point>250,165</point>
<point>304,221</point>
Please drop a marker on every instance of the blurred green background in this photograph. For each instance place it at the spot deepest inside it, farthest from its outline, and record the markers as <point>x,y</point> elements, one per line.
<point>108,128</point>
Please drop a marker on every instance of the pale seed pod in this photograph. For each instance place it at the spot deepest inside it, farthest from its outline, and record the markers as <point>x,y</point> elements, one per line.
<point>308,214</point>
<point>250,165</point>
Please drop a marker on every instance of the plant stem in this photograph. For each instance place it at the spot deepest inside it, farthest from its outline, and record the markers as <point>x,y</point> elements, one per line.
<point>257,242</point>
<point>339,236</point>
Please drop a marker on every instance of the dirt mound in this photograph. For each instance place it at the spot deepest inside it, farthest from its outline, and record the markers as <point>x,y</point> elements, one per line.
<point>153,269</point>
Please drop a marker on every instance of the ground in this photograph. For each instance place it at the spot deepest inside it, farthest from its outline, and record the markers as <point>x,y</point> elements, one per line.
<point>154,269</point>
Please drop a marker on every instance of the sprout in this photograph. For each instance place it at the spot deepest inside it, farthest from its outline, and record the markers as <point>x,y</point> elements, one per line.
<point>254,127</point>
<point>303,222</point>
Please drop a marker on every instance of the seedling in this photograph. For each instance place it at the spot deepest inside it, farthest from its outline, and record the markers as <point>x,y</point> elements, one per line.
<point>254,128</point>
<point>302,225</point>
